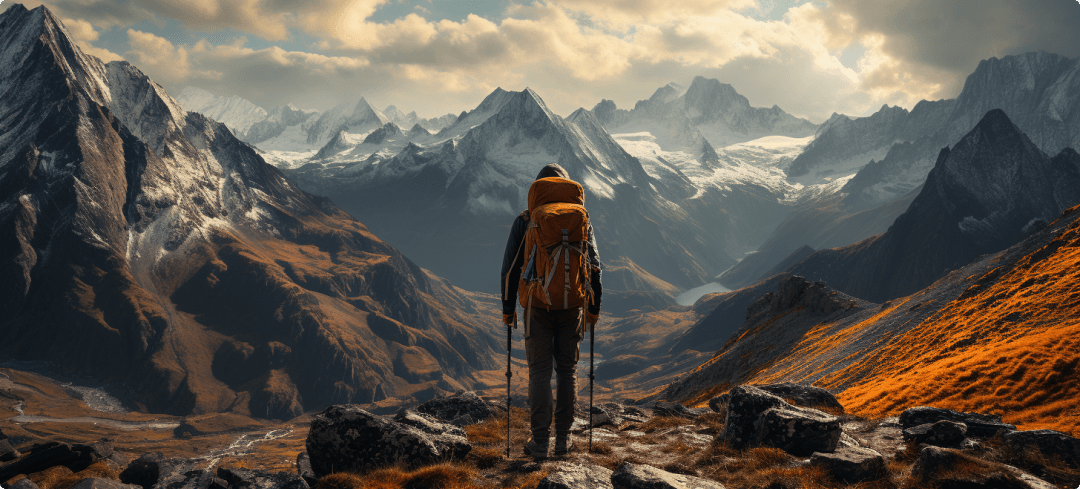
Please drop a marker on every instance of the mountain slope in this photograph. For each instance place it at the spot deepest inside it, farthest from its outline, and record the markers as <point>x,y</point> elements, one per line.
<point>148,247</point>
<point>983,195</point>
<point>998,335</point>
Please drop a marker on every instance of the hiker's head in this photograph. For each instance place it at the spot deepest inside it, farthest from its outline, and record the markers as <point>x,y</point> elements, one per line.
<point>553,170</point>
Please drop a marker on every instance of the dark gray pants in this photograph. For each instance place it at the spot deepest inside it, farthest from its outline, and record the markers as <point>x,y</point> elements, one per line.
<point>553,339</point>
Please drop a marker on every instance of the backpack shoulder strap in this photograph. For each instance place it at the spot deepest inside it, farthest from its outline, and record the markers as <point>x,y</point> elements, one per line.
<point>524,214</point>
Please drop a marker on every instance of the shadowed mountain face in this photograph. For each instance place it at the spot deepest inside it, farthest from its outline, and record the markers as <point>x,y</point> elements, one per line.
<point>148,247</point>
<point>988,192</point>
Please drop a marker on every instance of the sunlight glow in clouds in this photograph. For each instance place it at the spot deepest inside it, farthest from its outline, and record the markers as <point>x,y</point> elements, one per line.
<point>793,53</point>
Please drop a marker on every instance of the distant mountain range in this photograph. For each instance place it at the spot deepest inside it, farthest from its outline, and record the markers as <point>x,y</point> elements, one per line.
<point>146,246</point>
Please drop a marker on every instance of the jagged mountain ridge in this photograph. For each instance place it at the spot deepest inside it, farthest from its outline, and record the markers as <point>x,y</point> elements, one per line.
<point>983,195</point>
<point>466,190</point>
<point>148,247</point>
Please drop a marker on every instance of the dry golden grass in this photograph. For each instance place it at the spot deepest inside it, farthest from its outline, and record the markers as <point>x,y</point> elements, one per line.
<point>661,423</point>
<point>52,478</point>
<point>441,476</point>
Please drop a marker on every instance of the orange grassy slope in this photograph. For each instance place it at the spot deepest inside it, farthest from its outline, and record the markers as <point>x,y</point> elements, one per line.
<point>1000,335</point>
<point>1010,346</point>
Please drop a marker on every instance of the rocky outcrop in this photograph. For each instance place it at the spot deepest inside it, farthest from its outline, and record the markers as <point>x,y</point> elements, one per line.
<point>805,395</point>
<point>672,410</point>
<point>566,475</point>
<point>756,417</point>
<point>100,483</point>
<point>347,438</point>
<point>978,425</point>
<point>798,293</point>
<point>239,478</point>
<point>946,467</point>
<point>641,476</point>
<point>154,471</point>
<point>942,433</point>
<point>461,409</point>
<point>1049,444</point>
<point>45,455</point>
<point>615,414</point>
<point>851,464</point>
<point>303,468</point>
<point>8,452</point>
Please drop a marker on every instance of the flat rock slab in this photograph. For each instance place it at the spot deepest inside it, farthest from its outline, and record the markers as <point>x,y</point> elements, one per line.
<point>805,396</point>
<point>798,431</point>
<point>566,475</point>
<point>154,471</point>
<point>346,438</point>
<point>640,476</point>
<point>24,484</point>
<point>944,433</point>
<point>978,424</point>
<point>851,464</point>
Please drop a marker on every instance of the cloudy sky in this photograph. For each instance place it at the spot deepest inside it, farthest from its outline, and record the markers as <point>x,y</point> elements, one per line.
<point>809,57</point>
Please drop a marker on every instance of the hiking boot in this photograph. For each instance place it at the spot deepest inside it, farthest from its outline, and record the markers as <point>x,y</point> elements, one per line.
<point>536,450</point>
<point>562,447</point>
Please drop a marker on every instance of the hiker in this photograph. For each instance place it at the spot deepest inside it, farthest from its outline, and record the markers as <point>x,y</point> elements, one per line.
<point>559,308</point>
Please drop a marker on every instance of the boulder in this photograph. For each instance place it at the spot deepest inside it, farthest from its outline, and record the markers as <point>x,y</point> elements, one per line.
<point>566,475</point>
<point>851,464</point>
<point>1049,443</point>
<point>719,403</point>
<point>805,396</point>
<point>947,467</point>
<point>427,424</point>
<point>7,452</point>
<point>154,471</point>
<point>978,425</point>
<point>746,403</point>
<point>346,438</point>
<point>672,410</point>
<point>303,468</point>
<point>24,483</point>
<point>798,431</point>
<point>239,478</point>
<point>756,417</point>
<point>943,433</point>
<point>463,407</point>
<point>99,483</point>
<point>640,476</point>
<point>45,455</point>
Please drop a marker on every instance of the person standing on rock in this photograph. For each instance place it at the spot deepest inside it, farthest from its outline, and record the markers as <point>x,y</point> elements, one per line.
<point>552,268</point>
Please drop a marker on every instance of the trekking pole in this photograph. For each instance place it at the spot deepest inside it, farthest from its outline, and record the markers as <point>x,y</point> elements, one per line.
<point>509,333</point>
<point>592,341</point>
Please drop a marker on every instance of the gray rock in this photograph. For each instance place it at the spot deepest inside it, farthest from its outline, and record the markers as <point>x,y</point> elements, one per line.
<point>805,396</point>
<point>942,433</point>
<point>45,455</point>
<point>672,409</point>
<point>978,425</point>
<point>745,405</point>
<point>99,483</point>
<point>615,414</point>
<point>154,471</point>
<point>8,452</point>
<point>934,467</point>
<point>427,423</point>
<point>798,431</point>
<point>1048,442</point>
<point>24,483</point>
<point>851,464</point>
<point>303,468</point>
<point>256,479</point>
<point>457,406</point>
<point>640,476</point>
<point>719,403</point>
<point>566,475</point>
<point>347,438</point>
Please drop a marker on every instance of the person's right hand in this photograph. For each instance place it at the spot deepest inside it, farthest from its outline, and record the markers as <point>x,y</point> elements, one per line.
<point>510,320</point>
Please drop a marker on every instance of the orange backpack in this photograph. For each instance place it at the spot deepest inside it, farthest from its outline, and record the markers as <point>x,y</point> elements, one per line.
<point>556,271</point>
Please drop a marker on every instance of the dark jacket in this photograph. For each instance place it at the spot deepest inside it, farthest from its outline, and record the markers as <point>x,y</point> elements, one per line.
<point>512,262</point>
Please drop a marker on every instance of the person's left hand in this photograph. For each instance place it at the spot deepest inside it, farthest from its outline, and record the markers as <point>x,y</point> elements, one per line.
<point>590,319</point>
<point>510,320</point>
